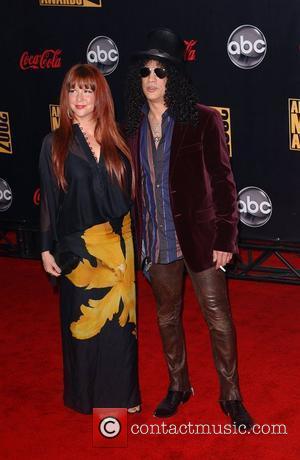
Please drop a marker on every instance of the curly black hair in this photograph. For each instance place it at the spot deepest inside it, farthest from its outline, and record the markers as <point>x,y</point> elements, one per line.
<point>181,97</point>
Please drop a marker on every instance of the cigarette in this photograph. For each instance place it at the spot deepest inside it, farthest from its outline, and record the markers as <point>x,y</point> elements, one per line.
<point>222,268</point>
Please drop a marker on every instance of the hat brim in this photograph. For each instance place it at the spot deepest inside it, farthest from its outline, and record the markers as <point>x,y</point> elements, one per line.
<point>156,54</point>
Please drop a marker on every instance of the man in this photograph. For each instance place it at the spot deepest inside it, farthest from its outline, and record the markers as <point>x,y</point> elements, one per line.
<point>186,212</point>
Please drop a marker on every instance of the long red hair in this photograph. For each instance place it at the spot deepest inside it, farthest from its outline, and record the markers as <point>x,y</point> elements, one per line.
<point>106,130</point>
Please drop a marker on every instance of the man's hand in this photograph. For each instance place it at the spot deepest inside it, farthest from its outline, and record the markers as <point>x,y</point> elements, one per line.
<point>221,258</point>
<point>49,264</point>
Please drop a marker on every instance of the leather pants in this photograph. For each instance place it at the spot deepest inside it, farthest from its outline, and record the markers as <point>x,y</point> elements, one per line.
<point>211,291</point>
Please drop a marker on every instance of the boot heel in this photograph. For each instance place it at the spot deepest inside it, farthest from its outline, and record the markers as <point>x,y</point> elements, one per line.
<point>222,405</point>
<point>187,395</point>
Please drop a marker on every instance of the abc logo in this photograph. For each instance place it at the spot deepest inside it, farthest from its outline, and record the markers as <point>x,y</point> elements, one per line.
<point>247,47</point>
<point>102,51</point>
<point>254,206</point>
<point>5,195</point>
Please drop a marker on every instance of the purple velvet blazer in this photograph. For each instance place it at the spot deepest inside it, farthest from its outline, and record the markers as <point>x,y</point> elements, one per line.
<point>202,190</point>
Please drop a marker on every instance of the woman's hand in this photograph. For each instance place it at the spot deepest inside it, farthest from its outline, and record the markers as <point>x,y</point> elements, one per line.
<point>49,264</point>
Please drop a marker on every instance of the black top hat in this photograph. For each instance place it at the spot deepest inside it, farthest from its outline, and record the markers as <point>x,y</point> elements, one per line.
<point>163,44</point>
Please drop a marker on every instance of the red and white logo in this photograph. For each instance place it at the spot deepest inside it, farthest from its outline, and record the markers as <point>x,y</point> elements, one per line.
<point>190,52</point>
<point>47,59</point>
<point>109,427</point>
<point>37,197</point>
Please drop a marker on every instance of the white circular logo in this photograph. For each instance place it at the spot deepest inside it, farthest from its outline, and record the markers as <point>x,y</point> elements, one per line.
<point>254,206</point>
<point>103,52</point>
<point>109,427</point>
<point>246,47</point>
<point>5,195</point>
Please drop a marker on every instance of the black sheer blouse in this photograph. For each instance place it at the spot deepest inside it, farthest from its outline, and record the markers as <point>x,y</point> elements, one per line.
<point>92,197</point>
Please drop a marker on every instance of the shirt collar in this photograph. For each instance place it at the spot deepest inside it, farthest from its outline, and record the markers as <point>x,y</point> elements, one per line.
<point>145,111</point>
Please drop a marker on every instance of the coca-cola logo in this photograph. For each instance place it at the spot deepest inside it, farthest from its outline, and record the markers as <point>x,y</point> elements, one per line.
<point>190,51</point>
<point>48,59</point>
<point>37,197</point>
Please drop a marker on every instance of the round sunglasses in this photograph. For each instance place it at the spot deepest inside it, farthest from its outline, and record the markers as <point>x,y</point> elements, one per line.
<point>160,72</point>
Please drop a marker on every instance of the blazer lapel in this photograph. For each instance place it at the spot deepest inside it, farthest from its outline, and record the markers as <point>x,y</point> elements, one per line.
<point>177,140</point>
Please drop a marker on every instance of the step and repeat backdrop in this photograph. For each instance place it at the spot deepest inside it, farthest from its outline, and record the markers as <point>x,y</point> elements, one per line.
<point>242,56</point>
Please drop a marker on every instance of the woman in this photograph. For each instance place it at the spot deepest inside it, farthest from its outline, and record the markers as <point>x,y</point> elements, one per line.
<point>86,192</point>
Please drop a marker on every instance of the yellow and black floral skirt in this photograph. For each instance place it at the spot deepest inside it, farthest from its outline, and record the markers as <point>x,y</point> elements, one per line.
<point>98,319</point>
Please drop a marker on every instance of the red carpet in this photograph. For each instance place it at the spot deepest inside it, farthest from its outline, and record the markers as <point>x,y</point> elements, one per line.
<point>35,425</point>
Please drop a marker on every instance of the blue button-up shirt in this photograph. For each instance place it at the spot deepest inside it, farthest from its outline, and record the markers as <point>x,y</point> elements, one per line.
<point>160,243</point>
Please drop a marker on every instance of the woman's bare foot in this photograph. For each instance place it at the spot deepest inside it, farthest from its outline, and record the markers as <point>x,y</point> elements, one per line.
<point>134,410</point>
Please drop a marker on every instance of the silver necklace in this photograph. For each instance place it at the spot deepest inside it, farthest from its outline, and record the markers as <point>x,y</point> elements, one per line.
<point>156,137</point>
<point>156,132</point>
